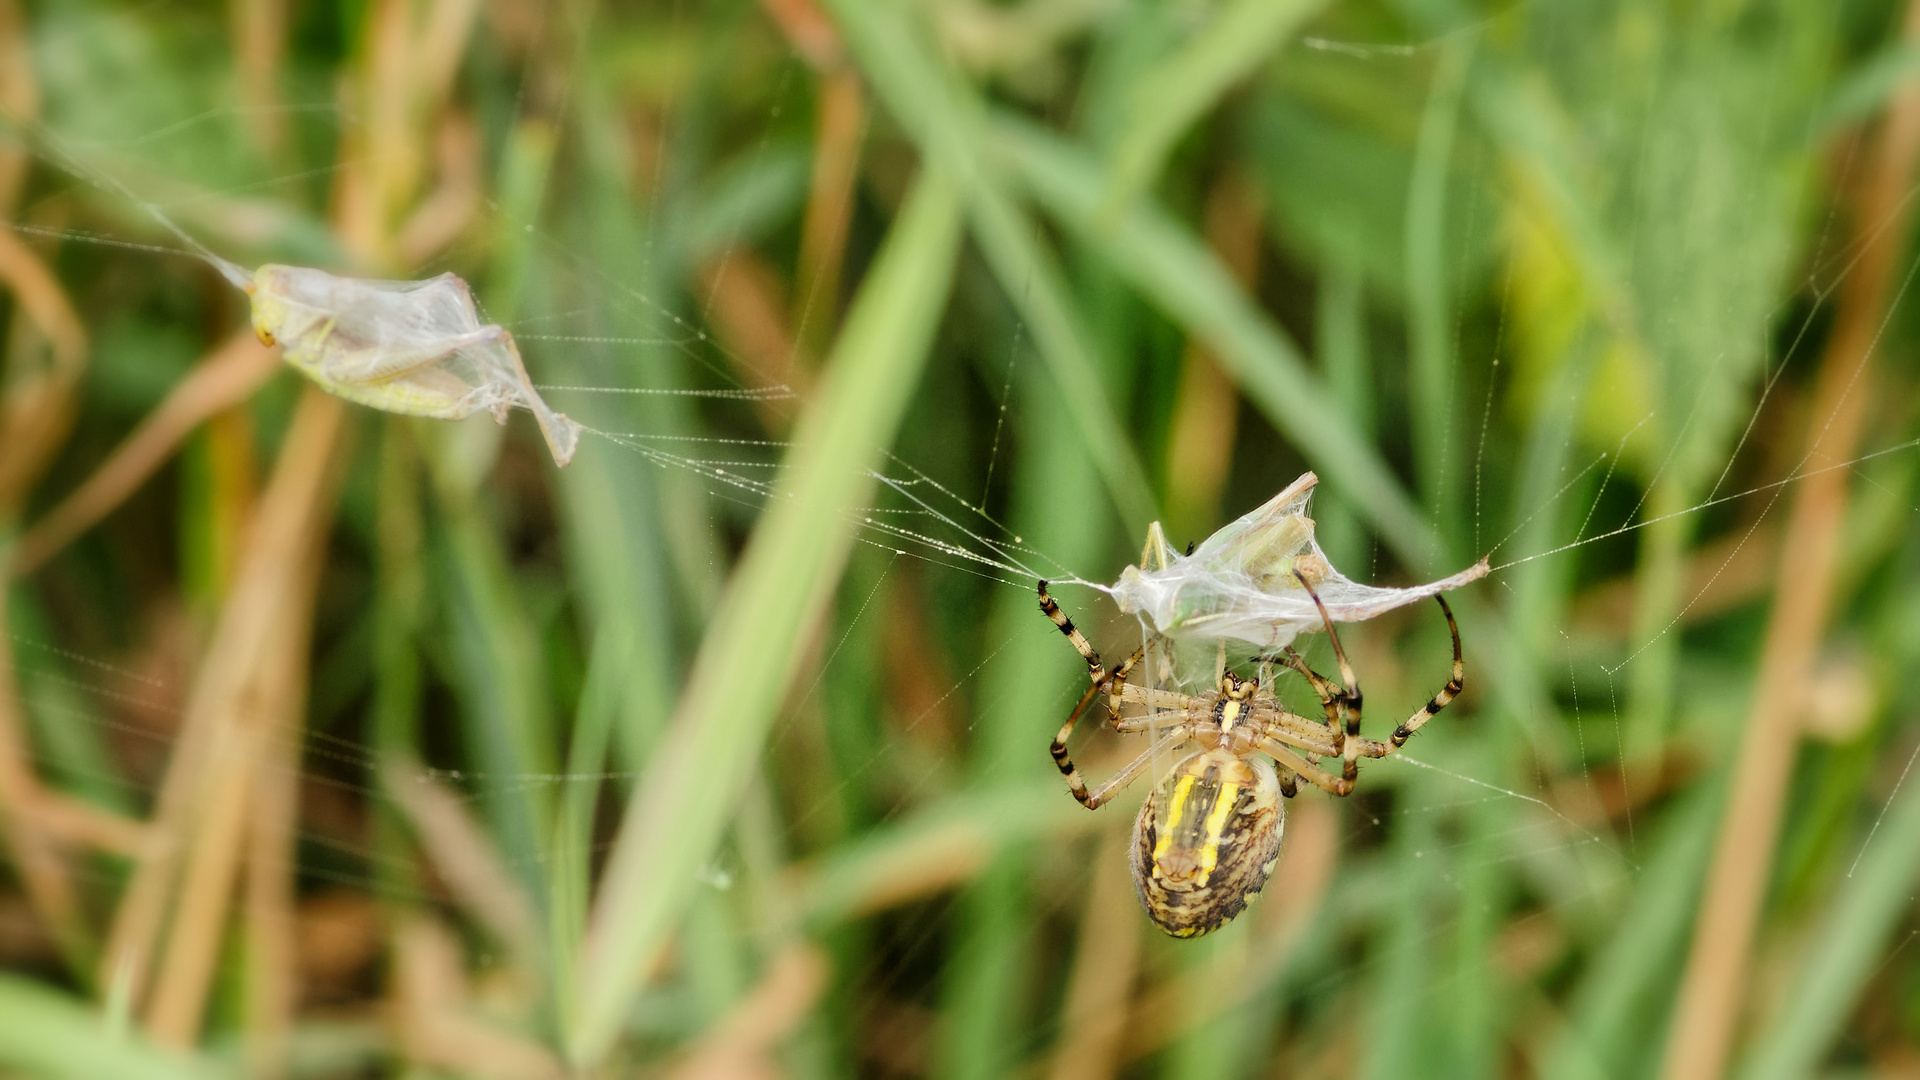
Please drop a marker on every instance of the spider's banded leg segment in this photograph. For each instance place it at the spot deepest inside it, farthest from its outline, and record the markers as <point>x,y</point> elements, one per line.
<point>1350,757</point>
<point>1320,778</point>
<point>1098,796</point>
<point>1117,678</point>
<point>1095,670</point>
<point>1062,760</point>
<point>1447,693</point>
<point>1279,734</point>
<point>1117,685</point>
<point>1289,783</point>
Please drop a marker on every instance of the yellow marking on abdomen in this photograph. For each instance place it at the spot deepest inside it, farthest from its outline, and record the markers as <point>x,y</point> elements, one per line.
<point>1181,789</point>
<point>1216,822</point>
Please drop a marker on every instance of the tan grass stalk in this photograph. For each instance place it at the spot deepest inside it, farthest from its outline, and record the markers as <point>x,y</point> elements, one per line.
<point>465,856</point>
<point>447,211</point>
<point>839,128</point>
<point>35,414</point>
<point>292,510</point>
<point>226,377</point>
<point>19,95</point>
<point>72,821</point>
<point>1714,986</point>
<point>259,46</point>
<point>270,926</point>
<point>746,303</point>
<point>38,405</point>
<point>808,29</point>
<point>1719,576</point>
<point>742,1044</point>
<point>426,1011</point>
<point>42,871</point>
<point>262,682</point>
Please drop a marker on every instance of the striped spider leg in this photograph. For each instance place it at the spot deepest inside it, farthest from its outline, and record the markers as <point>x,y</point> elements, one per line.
<point>1114,682</point>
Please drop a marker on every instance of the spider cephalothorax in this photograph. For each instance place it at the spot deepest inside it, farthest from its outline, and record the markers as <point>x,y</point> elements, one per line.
<point>1208,836</point>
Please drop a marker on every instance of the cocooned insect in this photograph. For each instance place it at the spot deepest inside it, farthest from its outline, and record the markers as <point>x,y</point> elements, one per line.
<point>412,347</point>
<point>1240,584</point>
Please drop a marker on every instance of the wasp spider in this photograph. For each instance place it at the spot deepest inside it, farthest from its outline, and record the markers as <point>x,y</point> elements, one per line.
<point>1208,836</point>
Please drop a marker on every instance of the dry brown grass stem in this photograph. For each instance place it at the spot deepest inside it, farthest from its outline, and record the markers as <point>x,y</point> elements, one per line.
<point>748,310</point>
<point>269,920</point>
<point>71,821</point>
<point>256,689</point>
<point>38,405</point>
<point>228,690</point>
<point>1719,577</point>
<point>38,863</point>
<point>213,842</point>
<point>35,414</point>
<point>259,46</point>
<point>430,1025</point>
<point>408,65</point>
<point>450,207</point>
<point>466,858</point>
<point>226,377</point>
<point>1714,986</point>
<point>936,859</point>
<point>19,95</point>
<point>741,1045</point>
<point>1105,965</point>
<point>809,30</point>
<point>839,127</point>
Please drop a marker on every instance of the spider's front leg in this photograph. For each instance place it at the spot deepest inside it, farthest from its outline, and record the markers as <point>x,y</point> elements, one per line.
<point>1099,677</point>
<point>1051,609</point>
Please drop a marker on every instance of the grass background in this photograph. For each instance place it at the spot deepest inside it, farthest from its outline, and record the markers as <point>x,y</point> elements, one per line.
<point>338,744</point>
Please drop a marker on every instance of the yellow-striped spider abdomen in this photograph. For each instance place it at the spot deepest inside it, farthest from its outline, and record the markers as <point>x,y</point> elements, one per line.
<point>1206,841</point>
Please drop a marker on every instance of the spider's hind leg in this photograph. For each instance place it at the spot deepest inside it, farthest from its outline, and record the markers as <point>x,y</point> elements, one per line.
<point>1447,693</point>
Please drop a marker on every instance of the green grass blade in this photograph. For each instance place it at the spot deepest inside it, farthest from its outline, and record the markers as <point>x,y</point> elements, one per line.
<point>1612,1004</point>
<point>1180,89</point>
<point>44,1033</point>
<point>946,118</point>
<point>1430,327</point>
<point>754,642</point>
<point>1850,946</point>
<point>502,689</point>
<point>1340,329</point>
<point>1399,1043</point>
<point>986,990</point>
<point>1168,264</point>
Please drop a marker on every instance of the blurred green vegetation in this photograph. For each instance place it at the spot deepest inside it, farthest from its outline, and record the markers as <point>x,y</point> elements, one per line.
<point>340,744</point>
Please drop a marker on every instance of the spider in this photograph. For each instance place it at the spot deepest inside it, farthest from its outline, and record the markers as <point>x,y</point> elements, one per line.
<point>1208,836</point>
